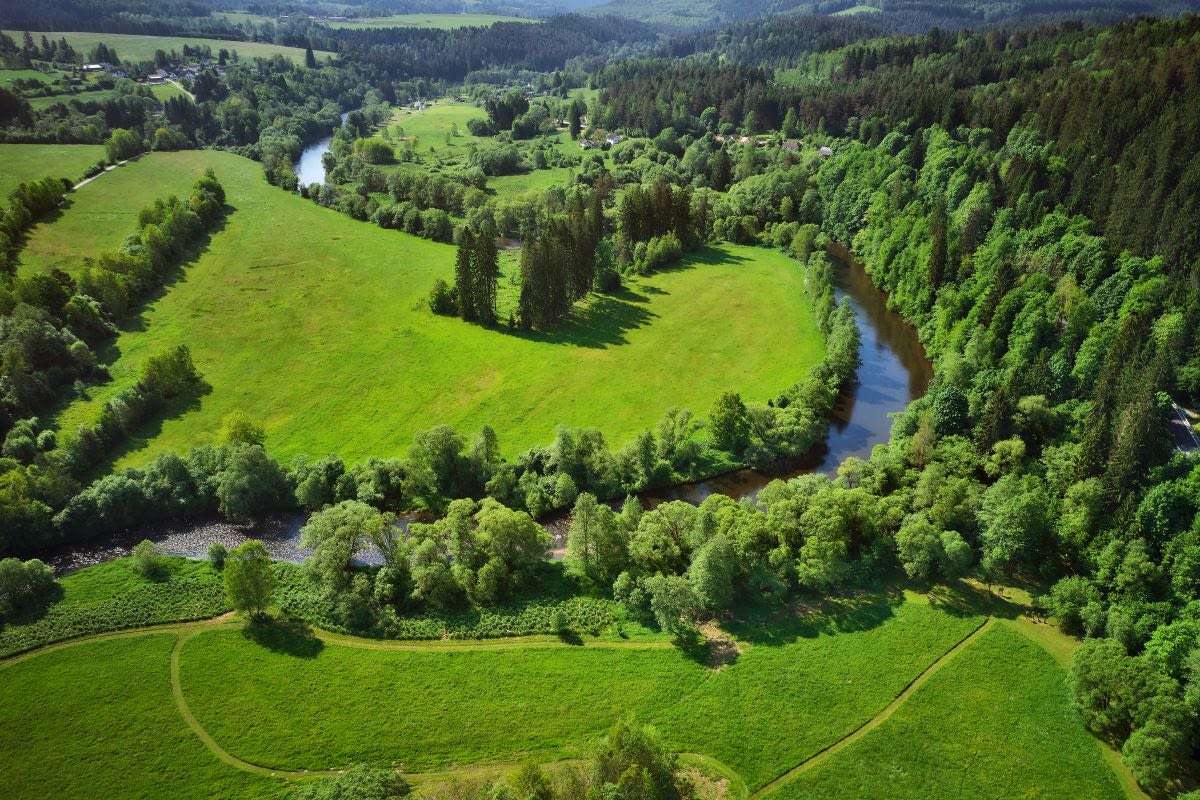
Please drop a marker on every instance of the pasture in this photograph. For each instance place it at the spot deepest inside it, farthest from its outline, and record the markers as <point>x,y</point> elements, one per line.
<point>334,349</point>
<point>996,722</point>
<point>133,47</point>
<point>995,715</point>
<point>440,21</point>
<point>29,162</point>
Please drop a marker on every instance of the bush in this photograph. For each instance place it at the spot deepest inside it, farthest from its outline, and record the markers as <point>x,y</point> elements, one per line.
<point>148,560</point>
<point>217,554</point>
<point>23,584</point>
<point>442,300</point>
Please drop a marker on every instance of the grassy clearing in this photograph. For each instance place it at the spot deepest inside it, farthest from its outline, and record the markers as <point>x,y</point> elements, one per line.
<point>431,127</point>
<point>804,682</point>
<point>424,710</point>
<point>441,21</point>
<point>28,162</point>
<point>110,597</point>
<point>996,722</point>
<point>132,47</point>
<point>98,720</point>
<point>800,685</point>
<point>322,332</point>
<point>856,10</point>
<point>162,91</point>
<point>104,212</point>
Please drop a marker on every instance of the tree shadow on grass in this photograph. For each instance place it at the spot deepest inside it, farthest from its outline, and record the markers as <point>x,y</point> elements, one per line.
<point>287,637</point>
<point>808,618</point>
<point>33,610</point>
<point>970,599</point>
<point>136,320</point>
<point>605,321</point>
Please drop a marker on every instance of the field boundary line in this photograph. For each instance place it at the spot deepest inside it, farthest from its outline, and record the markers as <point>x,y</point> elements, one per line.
<point>877,720</point>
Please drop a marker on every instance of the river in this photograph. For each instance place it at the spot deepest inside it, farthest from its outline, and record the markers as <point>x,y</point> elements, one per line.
<point>893,372</point>
<point>310,168</point>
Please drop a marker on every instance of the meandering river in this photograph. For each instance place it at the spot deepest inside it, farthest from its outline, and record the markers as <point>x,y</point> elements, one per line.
<point>893,372</point>
<point>310,168</point>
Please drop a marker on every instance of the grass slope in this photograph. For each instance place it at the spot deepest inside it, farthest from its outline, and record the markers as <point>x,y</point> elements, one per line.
<point>442,21</point>
<point>133,47</point>
<point>805,682</point>
<point>162,91</point>
<point>111,596</point>
<point>801,685</point>
<point>316,325</point>
<point>25,162</point>
<point>98,720</point>
<point>996,722</point>
<point>425,710</point>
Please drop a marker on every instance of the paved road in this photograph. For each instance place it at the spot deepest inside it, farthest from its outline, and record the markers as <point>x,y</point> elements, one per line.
<point>1181,431</point>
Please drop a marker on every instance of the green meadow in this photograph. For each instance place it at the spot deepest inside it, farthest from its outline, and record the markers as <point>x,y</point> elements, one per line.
<point>29,162</point>
<point>107,715</point>
<point>332,346</point>
<point>133,47</point>
<point>162,91</point>
<point>442,21</point>
<point>102,722</point>
<point>995,722</point>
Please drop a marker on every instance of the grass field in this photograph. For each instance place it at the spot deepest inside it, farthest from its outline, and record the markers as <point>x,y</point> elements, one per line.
<point>27,162</point>
<point>112,596</point>
<point>805,682</point>
<point>856,10</point>
<point>162,91</point>
<point>98,720</point>
<point>794,691</point>
<point>322,332</point>
<point>131,47</point>
<point>431,126</point>
<point>426,710</point>
<point>442,21</point>
<point>996,722</point>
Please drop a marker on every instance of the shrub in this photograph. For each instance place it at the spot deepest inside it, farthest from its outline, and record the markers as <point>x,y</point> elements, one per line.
<point>441,299</point>
<point>217,554</point>
<point>148,560</point>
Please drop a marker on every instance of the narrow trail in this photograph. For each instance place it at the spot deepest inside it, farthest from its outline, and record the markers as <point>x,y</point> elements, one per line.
<point>106,170</point>
<point>877,720</point>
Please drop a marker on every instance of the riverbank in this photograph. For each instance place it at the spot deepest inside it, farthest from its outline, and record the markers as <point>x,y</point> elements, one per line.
<point>892,373</point>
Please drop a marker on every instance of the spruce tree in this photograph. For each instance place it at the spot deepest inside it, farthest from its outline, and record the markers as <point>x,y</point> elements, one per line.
<point>464,283</point>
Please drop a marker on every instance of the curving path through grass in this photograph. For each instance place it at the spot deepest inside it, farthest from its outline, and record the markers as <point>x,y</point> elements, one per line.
<point>877,720</point>
<point>257,764</point>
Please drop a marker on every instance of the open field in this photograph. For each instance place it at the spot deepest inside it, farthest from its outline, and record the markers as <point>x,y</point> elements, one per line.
<point>431,126</point>
<point>995,715</point>
<point>333,348</point>
<point>442,21</point>
<point>796,689</point>
<point>29,162</point>
<point>131,47</point>
<point>112,596</point>
<point>97,720</point>
<point>162,91</point>
<point>996,722</point>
